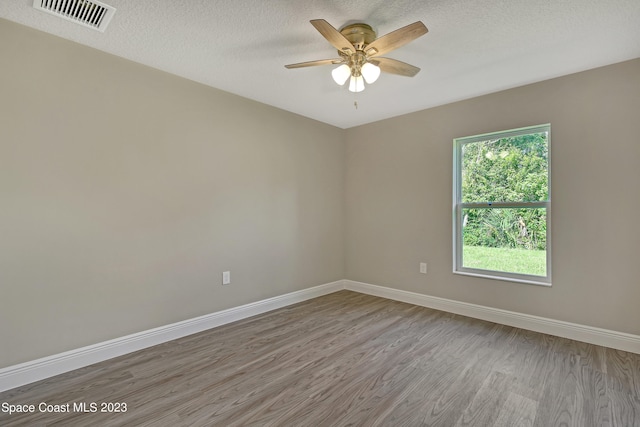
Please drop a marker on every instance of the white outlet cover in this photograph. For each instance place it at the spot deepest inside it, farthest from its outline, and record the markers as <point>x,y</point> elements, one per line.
<point>423,267</point>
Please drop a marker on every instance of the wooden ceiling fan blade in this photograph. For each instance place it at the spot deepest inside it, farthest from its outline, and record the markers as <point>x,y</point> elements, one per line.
<point>314,63</point>
<point>393,66</point>
<point>333,36</point>
<point>396,39</point>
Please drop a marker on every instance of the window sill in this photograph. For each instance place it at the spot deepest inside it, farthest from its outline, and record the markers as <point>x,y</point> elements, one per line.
<point>504,278</point>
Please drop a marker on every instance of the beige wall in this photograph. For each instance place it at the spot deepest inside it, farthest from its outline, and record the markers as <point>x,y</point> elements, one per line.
<point>125,192</point>
<point>399,197</point>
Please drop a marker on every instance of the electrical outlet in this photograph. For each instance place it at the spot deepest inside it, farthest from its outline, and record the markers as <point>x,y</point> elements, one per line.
<point>226,277</point>
<point>423,267</point>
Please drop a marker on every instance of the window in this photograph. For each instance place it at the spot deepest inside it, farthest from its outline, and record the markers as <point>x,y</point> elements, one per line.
<point>502,205</point>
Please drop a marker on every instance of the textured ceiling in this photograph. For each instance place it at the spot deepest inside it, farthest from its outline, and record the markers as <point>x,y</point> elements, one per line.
<point>473,47</point>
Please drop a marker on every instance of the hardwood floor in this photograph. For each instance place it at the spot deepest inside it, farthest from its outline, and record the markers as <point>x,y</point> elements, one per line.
<point>350,359</point>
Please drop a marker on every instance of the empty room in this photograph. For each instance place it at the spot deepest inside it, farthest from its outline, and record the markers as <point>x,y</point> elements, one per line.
<point>234,213</point>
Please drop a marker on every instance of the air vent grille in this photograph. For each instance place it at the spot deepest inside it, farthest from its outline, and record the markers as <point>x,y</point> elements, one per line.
<point>92,14</point>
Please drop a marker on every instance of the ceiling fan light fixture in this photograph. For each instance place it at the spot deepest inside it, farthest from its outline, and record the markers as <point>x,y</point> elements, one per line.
<point>370,72</point>
<point>356,45</point>
<point>341,74</point>
<point>356,84</point>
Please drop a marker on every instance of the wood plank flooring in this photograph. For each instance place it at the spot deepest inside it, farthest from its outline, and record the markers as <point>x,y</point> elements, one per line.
<point>348,359</point>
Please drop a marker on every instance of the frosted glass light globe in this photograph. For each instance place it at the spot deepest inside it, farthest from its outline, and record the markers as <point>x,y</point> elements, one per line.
<point>341,74</point>
<point>356,84</point>
<point>370,72</point>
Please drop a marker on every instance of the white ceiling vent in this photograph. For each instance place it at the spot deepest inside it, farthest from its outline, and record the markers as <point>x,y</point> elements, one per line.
<point>88,13</point>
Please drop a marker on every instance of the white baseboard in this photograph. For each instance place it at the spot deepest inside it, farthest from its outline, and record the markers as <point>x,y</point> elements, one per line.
<point>588,334</point>
<point>36,370</point>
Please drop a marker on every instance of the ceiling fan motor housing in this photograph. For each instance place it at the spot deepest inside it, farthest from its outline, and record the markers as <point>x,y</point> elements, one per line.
<point>359,35</point>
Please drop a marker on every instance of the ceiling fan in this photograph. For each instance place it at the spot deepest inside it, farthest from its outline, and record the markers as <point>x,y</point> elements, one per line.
<point>359,50</point>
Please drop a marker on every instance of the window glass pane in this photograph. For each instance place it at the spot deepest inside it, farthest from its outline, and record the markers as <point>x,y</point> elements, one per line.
<point>512,240</point>
<point>512,169</point>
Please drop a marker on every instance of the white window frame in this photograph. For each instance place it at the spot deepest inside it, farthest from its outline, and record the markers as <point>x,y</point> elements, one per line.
<point>458,207</point>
